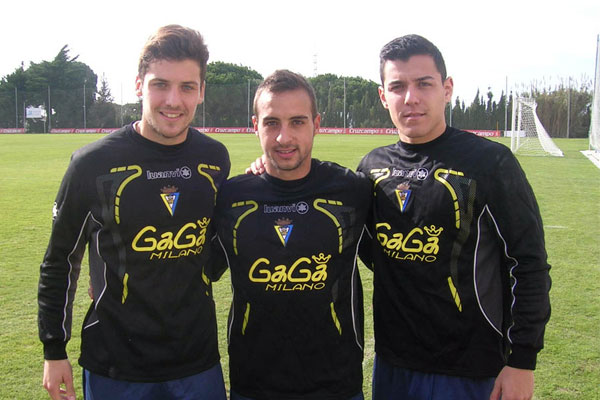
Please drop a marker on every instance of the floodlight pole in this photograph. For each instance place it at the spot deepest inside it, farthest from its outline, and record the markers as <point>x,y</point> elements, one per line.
<point>248,121</point>
<point>506,106</point>
<point>16,110</point>
<point>344,104</point>
<point>84,116</point>
<point>49,111</point>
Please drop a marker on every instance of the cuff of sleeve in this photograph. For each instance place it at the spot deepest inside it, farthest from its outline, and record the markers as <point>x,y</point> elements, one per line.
<point>522,358</point>
<point>55,351</point>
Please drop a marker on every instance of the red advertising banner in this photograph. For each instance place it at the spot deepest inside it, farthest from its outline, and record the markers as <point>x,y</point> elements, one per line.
<point>88,130</point>
<point>12,130</point>
<point>484,133</point>
<point>225,130</point>
<point>322,130</point>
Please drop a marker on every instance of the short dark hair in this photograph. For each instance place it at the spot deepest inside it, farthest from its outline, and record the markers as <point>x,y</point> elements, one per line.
<point>283,80</point>
<point>404,47</point>
<point>174,43</point>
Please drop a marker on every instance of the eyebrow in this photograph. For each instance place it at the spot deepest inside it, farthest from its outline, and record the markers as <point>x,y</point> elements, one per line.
<point>267,119</point>
<point>162,80</point>
<point>424,78</point>
<point>419,79</point>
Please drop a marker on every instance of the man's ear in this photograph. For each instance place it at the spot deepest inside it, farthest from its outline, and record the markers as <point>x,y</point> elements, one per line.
<point>448,89</point>
<point>317,123</point>
<point>381,91</point>
<point>139,84</point>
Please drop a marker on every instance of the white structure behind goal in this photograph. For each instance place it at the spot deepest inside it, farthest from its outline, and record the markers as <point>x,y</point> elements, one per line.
<point>595,120</point>
<point>528,136</point>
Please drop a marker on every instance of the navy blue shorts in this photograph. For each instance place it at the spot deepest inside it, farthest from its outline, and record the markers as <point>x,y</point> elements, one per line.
<point>391,382</point>
<point>207,385</point>
<point>235,396</point>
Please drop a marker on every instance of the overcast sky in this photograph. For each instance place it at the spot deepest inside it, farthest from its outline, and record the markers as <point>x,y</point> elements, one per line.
<point>483,44</point>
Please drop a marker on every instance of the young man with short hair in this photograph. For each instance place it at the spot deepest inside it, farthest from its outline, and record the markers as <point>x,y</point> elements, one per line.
<point>142,200</point>
<point>290,238</point>
<point>460,269</point>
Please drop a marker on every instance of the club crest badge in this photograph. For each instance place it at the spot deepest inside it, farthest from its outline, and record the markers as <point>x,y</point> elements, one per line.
<point>403,194</point>
<point>170,195</point>
<point>283,228</point>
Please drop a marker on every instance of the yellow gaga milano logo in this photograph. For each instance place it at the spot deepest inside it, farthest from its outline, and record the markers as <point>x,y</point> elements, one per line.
<point>304,274</point>
<point>417,245</point>
<point>187,240</point>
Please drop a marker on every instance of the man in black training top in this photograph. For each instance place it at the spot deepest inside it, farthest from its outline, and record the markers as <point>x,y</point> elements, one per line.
<point>142,200</point>
<point>290,238</point>
<point>460,271</point>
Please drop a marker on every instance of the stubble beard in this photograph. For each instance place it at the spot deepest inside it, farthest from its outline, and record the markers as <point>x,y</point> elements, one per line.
<point>162,133</point>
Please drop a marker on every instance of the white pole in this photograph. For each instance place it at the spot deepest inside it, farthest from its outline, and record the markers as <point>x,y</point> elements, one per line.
<point>16,110</point>
<point>513,134</point>
<point>49,111</point>
<point>506,105</point>
<point>344,104</point>
<point>248,120</point>
<point>569,109</point>
<point>84,118</point>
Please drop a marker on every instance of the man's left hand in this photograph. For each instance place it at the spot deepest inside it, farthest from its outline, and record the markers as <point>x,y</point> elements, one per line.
<point>513,384</point>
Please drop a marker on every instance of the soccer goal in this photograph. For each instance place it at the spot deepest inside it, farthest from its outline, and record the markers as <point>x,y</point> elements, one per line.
<point>528,136</point>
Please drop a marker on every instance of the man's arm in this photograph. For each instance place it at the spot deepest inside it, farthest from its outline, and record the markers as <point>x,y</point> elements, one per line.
<point>218,261</point>
<point>365,249</point>
<point>58,280</point>
<point>516,213</point>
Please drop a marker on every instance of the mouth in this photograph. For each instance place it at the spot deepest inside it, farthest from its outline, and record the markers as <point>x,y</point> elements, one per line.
<point>285,153</point>
<point>413,117</point>
<point>171,115</point>
<point>413,114</point>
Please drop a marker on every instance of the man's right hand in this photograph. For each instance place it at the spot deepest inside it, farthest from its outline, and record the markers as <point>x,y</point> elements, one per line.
<point>56,374</point>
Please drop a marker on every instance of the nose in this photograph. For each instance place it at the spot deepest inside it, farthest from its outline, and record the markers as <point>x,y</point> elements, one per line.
<point>284,136</point>
<point>172,97</point>
<point>410,96</point>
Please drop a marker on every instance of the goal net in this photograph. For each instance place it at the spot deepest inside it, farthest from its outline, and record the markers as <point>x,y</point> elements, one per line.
<point>528,136</point>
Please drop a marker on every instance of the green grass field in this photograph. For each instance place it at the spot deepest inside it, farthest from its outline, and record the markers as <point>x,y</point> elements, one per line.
<point>568,191</point>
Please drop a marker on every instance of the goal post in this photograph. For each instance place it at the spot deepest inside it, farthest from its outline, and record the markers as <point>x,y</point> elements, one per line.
<point>595,118</point>
<point>528,136</point>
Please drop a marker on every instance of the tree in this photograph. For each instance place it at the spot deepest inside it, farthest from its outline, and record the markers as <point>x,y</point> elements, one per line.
<point>357,96</point>
<point>11,86</point>
<point>64,86</point>
<point>103,113</point>
<point>554,105</point>
<point>229,93</point>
